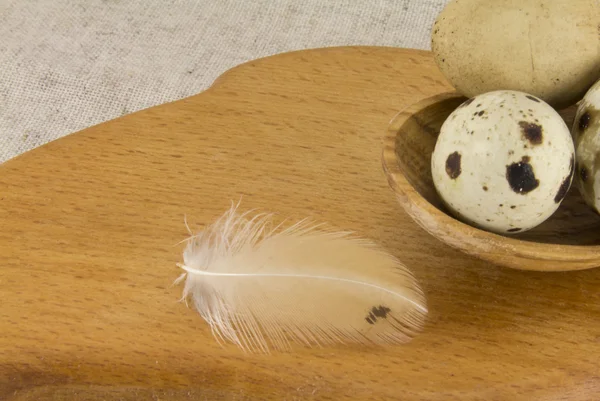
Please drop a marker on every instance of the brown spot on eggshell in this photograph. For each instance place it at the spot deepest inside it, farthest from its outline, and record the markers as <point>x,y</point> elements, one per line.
<point>453,168</point>
<point>584,121</point>
<point>532,132</point>
<point>521,177</point>
<point>514,230</point>
<point>566,184</point>
<point>535,99</point>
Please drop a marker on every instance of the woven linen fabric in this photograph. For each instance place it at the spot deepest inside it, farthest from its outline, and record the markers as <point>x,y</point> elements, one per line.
<point>67,65</point>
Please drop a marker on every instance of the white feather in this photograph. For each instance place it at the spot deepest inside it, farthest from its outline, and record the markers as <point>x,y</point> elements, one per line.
<point>263,287</point>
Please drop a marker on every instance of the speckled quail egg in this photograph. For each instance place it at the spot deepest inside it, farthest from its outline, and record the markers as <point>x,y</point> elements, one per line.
<point>586,134</point>
<point>503,161</point>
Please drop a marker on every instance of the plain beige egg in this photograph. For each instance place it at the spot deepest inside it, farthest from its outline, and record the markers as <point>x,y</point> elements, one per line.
<point>548,48</point>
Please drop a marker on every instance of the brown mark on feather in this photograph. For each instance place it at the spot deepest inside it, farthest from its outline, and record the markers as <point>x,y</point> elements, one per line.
<point>376,313</point>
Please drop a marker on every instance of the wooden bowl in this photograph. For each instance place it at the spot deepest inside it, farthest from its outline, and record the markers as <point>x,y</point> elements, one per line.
<point>569,240</point>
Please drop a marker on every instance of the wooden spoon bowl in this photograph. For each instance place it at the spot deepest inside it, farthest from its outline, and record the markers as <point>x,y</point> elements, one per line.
<point>568,240</point>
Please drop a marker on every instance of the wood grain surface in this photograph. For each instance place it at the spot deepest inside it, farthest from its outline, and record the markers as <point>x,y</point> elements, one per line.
<point>91,225</point>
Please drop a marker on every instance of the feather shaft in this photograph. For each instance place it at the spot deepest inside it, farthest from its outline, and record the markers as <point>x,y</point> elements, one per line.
<point>207,273</point>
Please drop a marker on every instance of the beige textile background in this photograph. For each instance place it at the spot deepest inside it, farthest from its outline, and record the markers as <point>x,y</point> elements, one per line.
<point>66,65</point>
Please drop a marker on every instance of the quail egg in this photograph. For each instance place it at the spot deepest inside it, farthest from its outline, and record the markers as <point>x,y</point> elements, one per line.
<point>503,161</point>
<point>586,134</point>
<point>547,48</point>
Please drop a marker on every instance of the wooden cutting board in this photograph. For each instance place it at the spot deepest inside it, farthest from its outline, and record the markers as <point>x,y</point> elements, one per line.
<point>91,225</point>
